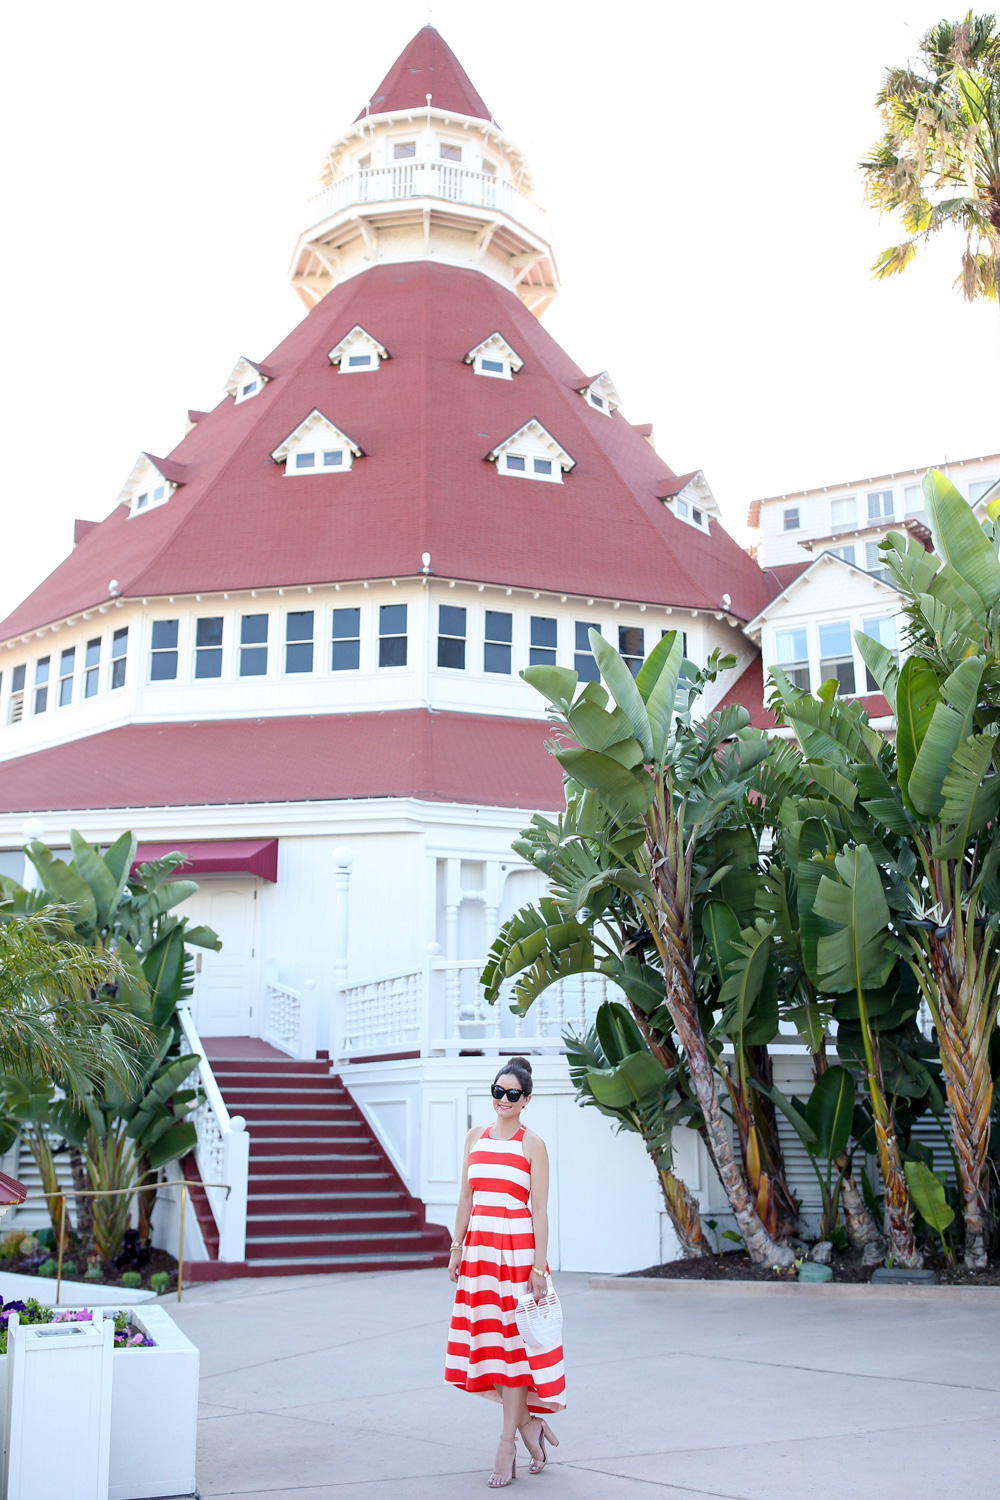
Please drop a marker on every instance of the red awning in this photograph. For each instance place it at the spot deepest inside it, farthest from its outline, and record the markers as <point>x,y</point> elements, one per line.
<point>218,857</point>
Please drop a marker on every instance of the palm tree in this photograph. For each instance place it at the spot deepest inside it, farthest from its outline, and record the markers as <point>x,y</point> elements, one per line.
<point>937,162</point>
<point>61,1017</point>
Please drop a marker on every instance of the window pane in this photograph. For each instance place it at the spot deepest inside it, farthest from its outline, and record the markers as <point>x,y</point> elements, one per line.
<point>164,634</point>
<point>392,619</point>
<point>65,691</point>
<point>345,656</point>
<point>208,662</point>
<point>41,699</point>
<point>496,657</point>
<point>93,656</point>
<point>392,651</point>
<point>844,512</point>
<point>299,657</point>
<point>253,661</point>
<point>334,459</point>
<point>299,625</point>
<point>162,666</point>
<point>630,646</point>
<point>543,631</point>
<point>514,462</point>
<point>845,553</point>
<point>499,625</point>
<point>305,460</point>
<point>253,630</point>
<point>879,504</point>
<point>883,630</point>
<point>119,642</point>
<point>67,661</point>
<point>586,667</point>
<point>978,488</point>
<point>209,631</point>
<point>791,518</point>
<point>346,624</point>
<point>17,680</point>
<point>358,361</point>
<point>451,652</point>
<point>835,638</point>
<point>42,669</point>
<point>790,645</point>
<point>403,150</point>
<point>451,620</point>
<point>495,366</point>
<point>583,629</point>
<point>543,465</point>
<point>450,153</point>
<point>913,495</point>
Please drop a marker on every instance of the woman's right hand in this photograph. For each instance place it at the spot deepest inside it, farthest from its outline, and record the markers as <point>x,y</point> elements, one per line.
<point>455,1260</point>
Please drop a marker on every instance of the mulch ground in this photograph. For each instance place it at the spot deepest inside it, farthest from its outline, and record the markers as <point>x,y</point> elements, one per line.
<point>159,1260</point>
<point>737,1266</point>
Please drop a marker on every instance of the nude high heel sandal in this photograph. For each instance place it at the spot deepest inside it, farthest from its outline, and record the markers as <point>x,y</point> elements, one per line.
<point>496,1481</point>
<point>544,1431</point>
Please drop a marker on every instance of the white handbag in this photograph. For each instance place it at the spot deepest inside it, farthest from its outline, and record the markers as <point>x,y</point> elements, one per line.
<point>540,1323</point>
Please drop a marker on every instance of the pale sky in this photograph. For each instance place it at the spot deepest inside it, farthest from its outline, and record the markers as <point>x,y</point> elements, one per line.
<point>697,162</point>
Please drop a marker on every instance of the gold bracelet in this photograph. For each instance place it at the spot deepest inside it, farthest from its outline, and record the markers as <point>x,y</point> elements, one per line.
<point>537,1271</point>
<point>456,1245</point>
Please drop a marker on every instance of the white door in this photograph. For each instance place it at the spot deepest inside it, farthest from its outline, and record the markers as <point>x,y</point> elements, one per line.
<point>225,983</point>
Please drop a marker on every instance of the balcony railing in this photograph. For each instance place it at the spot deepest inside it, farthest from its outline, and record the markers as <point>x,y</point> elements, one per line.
<point>425,179</point>
<point>223,1149</point>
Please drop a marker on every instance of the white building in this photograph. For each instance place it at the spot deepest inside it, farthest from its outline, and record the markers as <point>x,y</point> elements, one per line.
<point>820,548</point>
<point>313,688</point>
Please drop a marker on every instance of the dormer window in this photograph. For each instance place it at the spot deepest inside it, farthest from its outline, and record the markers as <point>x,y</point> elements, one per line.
<point>316,446</point>
<point>532,453</point>
<point>693,514</point>
<point>246,381</point>
<point>494,357</point>
<point>151,483</point>
<point>600,393</point>
<point>358,352</point>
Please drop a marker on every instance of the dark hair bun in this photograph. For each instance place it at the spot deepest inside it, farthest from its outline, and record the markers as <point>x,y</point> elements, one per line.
<point>523,1061</point>
<point>519,1068</point>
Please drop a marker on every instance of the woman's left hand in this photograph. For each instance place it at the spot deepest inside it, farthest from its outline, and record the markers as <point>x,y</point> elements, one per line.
<point>538,1286</point>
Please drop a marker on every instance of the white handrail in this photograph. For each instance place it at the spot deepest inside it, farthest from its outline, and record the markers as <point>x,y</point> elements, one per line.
<point>223,1149</point>
<point>290,1016</point>
<point>424,179</point>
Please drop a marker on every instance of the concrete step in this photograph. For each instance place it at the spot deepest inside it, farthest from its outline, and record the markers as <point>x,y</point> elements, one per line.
<point>366,1222</point>
<point>302,1265</point>
<point>349,1242</point>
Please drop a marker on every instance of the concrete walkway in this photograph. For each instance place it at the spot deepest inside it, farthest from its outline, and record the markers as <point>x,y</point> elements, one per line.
<point>323,1388</point>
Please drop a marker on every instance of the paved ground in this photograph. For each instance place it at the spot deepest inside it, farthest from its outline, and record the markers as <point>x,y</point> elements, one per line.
<point>324,1388</point>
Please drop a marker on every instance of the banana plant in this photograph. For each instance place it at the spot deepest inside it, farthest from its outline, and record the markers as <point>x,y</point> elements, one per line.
<point>667,784</point>
<point>927,811</point>
<point>824,1125</point>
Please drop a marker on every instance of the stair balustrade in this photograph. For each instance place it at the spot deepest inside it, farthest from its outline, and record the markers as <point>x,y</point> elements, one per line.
<point>290,1016</point>
<point>569,1004</point>
<point>382,1015</point>
<point>223,1149</point>
<point>425,179</point>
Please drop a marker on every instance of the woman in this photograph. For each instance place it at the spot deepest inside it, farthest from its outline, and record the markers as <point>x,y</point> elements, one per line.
<point>497,1257</point>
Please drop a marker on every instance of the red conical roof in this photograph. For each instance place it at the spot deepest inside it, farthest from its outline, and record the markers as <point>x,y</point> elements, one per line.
<point>425,66</point>
<point>425,423</point>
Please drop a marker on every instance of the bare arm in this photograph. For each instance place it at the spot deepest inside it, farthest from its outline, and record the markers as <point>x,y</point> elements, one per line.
<point>464,1211</point>
<point>538,1161</point>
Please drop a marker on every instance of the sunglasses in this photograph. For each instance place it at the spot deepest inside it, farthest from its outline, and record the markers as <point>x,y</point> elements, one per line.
<point>512,1094</point>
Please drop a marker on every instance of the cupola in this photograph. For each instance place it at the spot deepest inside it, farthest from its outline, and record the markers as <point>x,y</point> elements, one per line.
<point>425,173</point>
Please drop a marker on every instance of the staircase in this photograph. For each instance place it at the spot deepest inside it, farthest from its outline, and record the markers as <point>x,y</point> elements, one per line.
<point>323,1195</point>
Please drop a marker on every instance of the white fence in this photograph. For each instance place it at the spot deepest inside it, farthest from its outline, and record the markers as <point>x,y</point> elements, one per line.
<point>425,179</point>
<point>290,1016</point>
<point>384,1014</point>
<point>222,1152</point>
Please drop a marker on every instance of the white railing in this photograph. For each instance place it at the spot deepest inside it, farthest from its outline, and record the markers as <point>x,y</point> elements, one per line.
<point>468,1018</point>
<point>424,179</point>
<point>223,1149</point>
<point>290,1018</point>
<point>381,1015</point>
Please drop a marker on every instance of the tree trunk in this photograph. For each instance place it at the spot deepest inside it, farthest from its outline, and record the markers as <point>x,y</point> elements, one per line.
<point>682,1210</point>
<point>858,1222</point>
<point>84,1206</point>
<point>772,1158</point>
<point>669,872</point>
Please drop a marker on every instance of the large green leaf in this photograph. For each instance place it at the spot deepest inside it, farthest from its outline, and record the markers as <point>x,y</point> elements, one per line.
<point>175,1142</point>
<point>95,872</point>
<point>951,724</point>
<point>632,1079</point>
<point>722,933</point>
<point>163,969</point>
<point>969,801</point>
<point>813,861</point>
<point>928,1195</point>
<point>743,989</point>
<point>618,1033</point>
<point>623,689</point>
<point>959,538</point>
<point>62,882</point>
<point>203,937</point>
<point>557,684</point>
<point>626,794</point>
<point>830,1111</point>
<point>859,954</point>
<point>596,729</point>
<point>657,683</point>
<point>917,696</point>
<point>118,859</point>
<point>881,663</point>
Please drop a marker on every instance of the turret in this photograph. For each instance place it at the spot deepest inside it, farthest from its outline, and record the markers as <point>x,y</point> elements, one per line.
<point>425,173</point>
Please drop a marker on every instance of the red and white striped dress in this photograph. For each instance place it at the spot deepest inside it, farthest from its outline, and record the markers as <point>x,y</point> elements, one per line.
<point>485,1349</point>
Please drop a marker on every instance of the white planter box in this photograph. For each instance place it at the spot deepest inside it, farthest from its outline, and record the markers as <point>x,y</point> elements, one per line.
<point>154,1412</point>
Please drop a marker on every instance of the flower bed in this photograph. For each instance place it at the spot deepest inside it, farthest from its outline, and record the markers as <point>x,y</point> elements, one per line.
<point>127,1336</point>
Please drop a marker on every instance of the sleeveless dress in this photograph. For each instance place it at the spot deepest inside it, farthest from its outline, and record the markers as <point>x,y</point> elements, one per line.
<point>485,1349</point>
